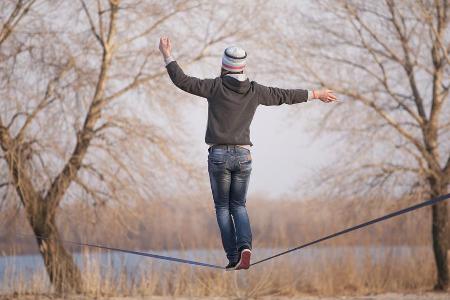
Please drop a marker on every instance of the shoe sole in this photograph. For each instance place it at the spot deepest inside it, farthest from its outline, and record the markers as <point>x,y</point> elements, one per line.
<point>244,262</point>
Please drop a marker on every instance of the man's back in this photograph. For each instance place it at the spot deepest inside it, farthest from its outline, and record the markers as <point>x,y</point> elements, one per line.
<point>232,103</point>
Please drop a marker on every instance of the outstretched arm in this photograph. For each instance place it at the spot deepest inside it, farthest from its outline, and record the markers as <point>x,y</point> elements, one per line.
<point>277,96</point>
<point>199,87</point>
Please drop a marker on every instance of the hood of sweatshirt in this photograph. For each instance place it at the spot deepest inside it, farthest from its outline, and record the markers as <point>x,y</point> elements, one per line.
<point>235,85</point>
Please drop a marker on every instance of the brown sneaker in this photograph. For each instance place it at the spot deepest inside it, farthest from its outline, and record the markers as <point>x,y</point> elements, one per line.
<point>244,261</point>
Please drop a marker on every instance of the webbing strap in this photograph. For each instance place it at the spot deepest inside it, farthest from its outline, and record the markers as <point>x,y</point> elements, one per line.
<point>196,263</point>
<point>156,256</point>
<point>388,216</point>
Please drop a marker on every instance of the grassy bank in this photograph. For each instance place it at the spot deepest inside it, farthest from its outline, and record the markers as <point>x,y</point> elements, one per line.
<point>325,276</point>
<point>187,224</point>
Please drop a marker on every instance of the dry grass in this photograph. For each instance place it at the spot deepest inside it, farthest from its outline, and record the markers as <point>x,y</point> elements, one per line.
<point>314,271</point>
<point>290,276</point>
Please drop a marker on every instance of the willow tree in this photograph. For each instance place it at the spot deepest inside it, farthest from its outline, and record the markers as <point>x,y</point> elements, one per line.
<point>390,63</point>
<point>70,125</point>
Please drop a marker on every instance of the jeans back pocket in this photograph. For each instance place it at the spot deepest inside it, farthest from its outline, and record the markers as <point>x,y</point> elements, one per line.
<point>245,163</point>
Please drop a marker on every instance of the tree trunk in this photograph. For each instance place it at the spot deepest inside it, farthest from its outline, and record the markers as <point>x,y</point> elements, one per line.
<point>61,268</point>
<point>60,265</point>
<point>441,236</point>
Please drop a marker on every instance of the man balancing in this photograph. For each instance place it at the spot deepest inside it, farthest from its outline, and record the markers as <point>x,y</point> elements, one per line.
<point>232,101</point>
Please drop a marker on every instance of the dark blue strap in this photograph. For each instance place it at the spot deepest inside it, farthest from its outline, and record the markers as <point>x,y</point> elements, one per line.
<point>388,216</point>
<point>169,258</point>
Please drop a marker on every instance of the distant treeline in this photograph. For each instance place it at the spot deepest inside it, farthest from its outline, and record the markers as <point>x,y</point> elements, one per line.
<point>190,223</point>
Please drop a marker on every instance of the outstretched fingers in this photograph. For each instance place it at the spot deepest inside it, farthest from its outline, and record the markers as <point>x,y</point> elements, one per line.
<point>165,46</point>
<point>330,96</point>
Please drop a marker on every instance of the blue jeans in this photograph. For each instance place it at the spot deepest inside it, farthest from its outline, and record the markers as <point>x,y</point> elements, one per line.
<point>229,169</point>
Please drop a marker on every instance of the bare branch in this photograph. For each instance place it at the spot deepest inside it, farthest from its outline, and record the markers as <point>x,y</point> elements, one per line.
<point>91,192</point>
<point>4,184</point>
<point>69,172</point>
<point>16,115</point>
<point>91,23</point>
<point>443,20</point>
<point>447,168</point>
<point>46,100</point>
<point>20,10</point>
<point>391,167</point>
<point>137,81</point>
<point>100,19</point>
<point>384,115</point>
<point>407,65</point>
<point>390,53</point>
<point>160,21</point>
<point>382,80</point>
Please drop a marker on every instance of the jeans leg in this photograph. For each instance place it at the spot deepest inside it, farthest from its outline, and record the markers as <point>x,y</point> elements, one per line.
<point>220,179</point>
<point>238,193</point>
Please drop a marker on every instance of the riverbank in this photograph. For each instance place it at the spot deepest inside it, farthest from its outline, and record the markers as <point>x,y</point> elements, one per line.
<point>314,271</point>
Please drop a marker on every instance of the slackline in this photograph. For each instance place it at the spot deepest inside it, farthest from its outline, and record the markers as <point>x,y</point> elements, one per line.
<point>385,217</point>
<point>156,256</point>
<point>430,202</point>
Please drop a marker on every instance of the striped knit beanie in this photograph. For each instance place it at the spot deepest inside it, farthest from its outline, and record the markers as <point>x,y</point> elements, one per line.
<point>234,59</point>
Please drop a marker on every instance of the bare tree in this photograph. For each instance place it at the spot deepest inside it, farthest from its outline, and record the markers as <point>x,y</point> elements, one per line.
<point>66,131</point>
<point>390,63</point>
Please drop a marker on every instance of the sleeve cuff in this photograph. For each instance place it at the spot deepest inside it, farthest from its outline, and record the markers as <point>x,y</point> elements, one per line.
<point>310,95</point>
<point>168,60</point>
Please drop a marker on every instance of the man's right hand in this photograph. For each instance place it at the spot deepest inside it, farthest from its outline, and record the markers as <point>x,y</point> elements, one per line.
<point>165,46</point>
<point>324,95</point>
